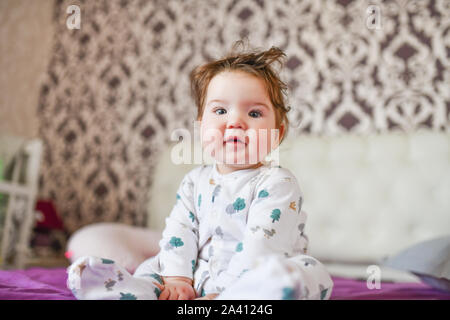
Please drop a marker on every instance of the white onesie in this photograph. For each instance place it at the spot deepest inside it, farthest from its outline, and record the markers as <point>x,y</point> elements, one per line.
<point>240,235</point>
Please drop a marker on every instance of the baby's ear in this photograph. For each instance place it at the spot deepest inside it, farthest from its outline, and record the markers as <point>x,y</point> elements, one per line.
<point>281,133</point>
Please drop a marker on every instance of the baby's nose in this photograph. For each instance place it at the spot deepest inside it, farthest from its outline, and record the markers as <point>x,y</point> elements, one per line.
<point>235,125</point>
<point>235,121</point>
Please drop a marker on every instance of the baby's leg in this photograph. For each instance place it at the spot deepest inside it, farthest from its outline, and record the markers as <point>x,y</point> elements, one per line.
<point>92,278</point>
<point>278,278</point>
<point>311,277</point>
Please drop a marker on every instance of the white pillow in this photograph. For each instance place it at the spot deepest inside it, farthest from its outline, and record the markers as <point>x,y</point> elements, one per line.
<point>128,246</point>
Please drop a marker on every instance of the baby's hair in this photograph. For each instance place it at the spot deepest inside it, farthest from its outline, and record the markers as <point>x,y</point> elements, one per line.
<point>254,62</point>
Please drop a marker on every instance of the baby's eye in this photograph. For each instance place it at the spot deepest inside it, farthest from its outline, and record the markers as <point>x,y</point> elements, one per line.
<point>255,114</point>
<point>220,111</point>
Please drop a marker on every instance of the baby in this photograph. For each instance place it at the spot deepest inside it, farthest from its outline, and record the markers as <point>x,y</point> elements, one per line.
<point>237,228</point>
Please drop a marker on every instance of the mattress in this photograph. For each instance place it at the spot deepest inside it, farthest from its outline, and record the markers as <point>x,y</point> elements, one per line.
<point>50,284</point>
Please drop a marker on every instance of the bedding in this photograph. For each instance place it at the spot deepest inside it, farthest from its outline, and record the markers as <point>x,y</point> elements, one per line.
<point>429,260</point>
<point>50,284</point>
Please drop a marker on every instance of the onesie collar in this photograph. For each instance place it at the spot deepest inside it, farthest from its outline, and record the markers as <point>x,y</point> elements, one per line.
<point>237,173</point>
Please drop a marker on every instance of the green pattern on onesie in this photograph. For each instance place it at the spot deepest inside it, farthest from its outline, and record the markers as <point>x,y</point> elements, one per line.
<point>263,194</point>
<point>176,242</point>
<point>237,205</point>
<point>157,277</point>
<point>127,296</point>
<point>323,292</point>
<point>107,261</point>
<point>288,294</point>
<point>275,215</point>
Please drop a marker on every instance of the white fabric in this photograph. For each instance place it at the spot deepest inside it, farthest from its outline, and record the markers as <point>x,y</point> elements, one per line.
<point>94,278</point>
<point>220,229</point>
<point>221,224</point>
<point>297,278</point>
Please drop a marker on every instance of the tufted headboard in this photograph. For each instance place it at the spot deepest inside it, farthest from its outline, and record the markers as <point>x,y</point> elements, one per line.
<point>366,197</point>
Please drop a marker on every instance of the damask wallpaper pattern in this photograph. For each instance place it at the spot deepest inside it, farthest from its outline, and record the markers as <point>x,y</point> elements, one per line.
<point>118,87</point>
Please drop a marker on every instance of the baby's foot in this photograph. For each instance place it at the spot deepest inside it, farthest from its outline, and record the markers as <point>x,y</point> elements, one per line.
<point>92,278</point>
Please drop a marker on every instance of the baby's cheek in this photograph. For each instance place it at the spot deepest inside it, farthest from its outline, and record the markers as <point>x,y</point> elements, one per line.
<point>259,146</point>
<point>211,142</point>
<point>252,149</point>
<point>210,134</point>
<point>212,148</point>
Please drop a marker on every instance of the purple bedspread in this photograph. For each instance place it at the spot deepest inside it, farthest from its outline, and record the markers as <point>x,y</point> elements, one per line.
<point>50,284</point>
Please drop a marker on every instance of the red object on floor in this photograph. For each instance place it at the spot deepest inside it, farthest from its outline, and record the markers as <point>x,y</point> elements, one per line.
<point>68,254</point>
<point>48,217</point>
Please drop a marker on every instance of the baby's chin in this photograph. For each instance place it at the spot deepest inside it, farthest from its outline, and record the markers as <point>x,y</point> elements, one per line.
<point>238,165</point>
<point>225,168</point>
<point>238,161</point>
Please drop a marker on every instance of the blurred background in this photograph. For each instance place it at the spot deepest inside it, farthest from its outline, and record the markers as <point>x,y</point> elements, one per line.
<point>105,86</point>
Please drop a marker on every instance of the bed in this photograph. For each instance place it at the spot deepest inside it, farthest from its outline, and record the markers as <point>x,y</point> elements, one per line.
<point>384,193</point>
<point>50,284</point>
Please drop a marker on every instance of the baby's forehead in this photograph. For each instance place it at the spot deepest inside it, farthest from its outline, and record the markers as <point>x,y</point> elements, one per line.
<point>237,75</point>
<point>246,88</point>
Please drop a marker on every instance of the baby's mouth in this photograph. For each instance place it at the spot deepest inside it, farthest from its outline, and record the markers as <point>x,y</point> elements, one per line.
<point>234,140</point>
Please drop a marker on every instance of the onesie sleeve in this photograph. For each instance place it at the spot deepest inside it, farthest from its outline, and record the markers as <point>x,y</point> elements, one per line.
<point>179,243</point>
<point>274,224</point>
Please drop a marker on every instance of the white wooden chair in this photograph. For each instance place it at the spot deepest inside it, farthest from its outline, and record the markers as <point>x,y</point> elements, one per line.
<point>20,186</point>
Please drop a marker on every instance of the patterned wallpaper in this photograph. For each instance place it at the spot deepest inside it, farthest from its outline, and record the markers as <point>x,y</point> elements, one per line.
<point>117,87</point>
<point>23,25</point>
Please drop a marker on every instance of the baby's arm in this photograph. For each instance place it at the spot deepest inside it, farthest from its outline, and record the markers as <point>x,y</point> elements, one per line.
<point>275,223</point>
<point>179,245</point>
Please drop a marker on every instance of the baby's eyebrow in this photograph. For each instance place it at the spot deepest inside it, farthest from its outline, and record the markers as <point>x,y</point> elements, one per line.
<point>246,103</point>
<point>253,103</point>
<point>216,100</point>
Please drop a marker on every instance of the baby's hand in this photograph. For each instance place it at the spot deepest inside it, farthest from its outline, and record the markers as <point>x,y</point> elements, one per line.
<point>176,288</point>
<point>210,296</point>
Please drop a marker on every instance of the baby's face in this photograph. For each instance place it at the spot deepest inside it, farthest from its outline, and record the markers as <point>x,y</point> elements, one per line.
<point>238,126</point>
